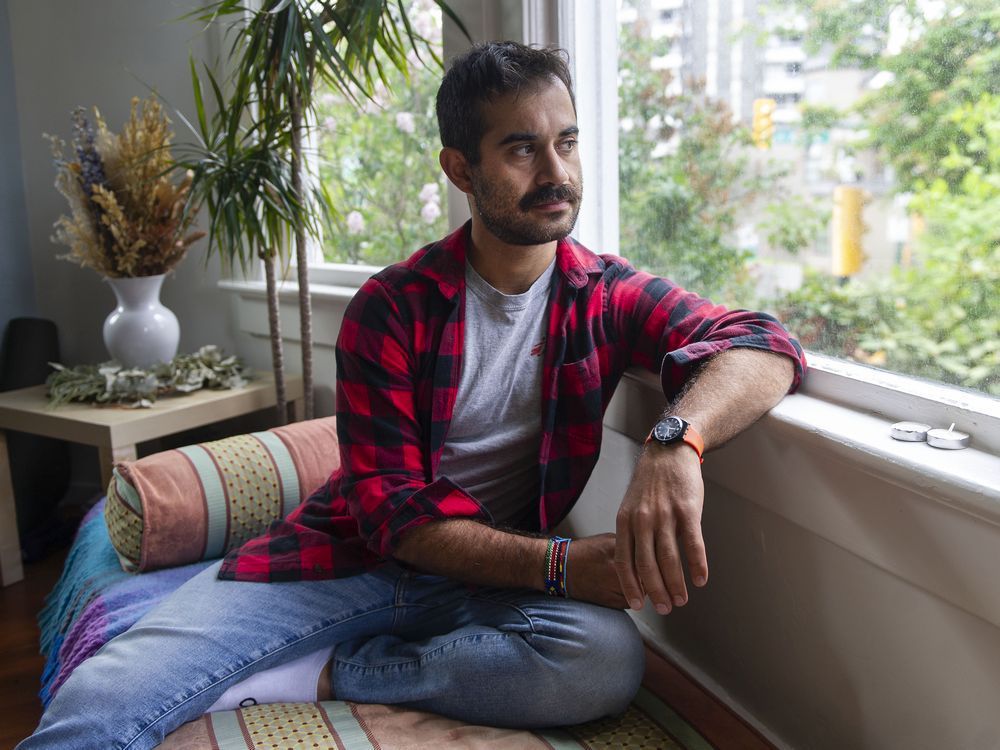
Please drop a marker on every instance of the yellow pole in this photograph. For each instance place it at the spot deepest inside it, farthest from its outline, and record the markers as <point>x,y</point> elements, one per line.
<point>848,202</point>
<point>762,127</point>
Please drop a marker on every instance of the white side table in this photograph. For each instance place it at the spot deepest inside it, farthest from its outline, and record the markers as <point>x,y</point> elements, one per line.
<point>115,430</point>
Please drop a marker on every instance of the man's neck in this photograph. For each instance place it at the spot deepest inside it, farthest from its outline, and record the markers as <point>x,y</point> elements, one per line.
<point>511,269</point>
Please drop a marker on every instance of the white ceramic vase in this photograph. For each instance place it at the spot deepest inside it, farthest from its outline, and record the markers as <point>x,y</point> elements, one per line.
<point>140,332</point>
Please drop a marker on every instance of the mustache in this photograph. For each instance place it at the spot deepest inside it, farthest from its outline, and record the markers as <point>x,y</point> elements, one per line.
<point>550,194</point>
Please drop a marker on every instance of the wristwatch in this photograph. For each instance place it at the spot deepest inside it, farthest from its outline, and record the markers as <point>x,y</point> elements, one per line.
<point>674,430</point>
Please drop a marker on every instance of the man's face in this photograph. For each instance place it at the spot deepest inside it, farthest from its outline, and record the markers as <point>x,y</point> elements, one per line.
<point>528,185</point>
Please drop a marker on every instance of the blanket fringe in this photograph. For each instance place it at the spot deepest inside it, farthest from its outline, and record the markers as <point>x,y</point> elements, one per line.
<point>84,575</point>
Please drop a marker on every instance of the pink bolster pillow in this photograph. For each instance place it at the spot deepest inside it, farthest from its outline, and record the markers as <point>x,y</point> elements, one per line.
<point>200,501</point>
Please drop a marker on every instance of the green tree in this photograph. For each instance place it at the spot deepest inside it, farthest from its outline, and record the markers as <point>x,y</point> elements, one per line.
<point>950,59</point>
<point>687,180</point>
<point>793,224</point>
<point>687,174</point>
<point>939,318</point>
<point>936,122</point>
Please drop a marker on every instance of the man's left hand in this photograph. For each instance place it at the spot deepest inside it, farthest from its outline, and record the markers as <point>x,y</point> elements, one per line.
<point>659,520</point>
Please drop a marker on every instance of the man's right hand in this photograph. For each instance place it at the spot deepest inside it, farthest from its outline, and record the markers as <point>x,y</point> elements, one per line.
<point>591,574</point>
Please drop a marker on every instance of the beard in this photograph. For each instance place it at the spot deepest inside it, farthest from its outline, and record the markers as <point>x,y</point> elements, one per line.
<point>509,218</point>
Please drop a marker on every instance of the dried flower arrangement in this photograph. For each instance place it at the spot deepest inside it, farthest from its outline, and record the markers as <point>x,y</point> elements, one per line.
<point>128,216</point>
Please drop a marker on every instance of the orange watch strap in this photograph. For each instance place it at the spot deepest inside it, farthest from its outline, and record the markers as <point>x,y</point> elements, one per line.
<point>692,437</point>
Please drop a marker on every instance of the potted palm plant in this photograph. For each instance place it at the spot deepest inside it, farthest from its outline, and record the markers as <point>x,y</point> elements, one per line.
<point>248,165</point>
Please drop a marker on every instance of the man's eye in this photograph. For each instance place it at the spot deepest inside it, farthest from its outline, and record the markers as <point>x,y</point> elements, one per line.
<point>524,150</point>
<point>568,145</point>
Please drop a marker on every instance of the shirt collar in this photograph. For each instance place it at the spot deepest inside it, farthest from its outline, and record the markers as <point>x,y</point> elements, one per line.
<point>444,261</point>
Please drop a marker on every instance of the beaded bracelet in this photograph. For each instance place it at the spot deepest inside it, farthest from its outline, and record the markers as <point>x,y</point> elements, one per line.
<point>556,556</point>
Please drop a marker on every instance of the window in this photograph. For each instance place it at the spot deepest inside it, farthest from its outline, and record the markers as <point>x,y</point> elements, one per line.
<point>378,164</point>
<point>869,220</point>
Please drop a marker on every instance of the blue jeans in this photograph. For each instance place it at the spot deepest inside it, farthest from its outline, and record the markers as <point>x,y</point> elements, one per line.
<point>501,657</point>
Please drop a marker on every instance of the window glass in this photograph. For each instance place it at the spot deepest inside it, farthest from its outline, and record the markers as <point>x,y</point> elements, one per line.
<point>836,162</point>
<point>379,164</point>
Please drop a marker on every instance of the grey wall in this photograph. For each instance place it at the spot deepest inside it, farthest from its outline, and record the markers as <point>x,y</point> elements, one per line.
<point>98,53</point>
<point>17,289</point>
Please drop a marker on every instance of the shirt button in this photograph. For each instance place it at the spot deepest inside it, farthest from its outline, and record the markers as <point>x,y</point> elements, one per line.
<point>317,568</point>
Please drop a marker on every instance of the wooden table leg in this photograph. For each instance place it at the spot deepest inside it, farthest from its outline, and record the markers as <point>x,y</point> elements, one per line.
<point>109,456</point>
<point>11,570</point>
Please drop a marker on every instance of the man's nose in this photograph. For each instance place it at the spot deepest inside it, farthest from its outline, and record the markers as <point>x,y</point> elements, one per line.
<point>552,169</point>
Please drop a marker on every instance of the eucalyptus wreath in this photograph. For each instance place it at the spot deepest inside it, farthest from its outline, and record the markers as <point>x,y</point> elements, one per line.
<point>111,383</point>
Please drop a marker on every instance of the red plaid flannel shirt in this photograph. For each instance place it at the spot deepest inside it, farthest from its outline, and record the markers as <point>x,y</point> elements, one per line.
<point>399,358</point>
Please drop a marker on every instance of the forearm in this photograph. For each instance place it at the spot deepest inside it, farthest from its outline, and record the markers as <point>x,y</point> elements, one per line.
<point>732,391</point>
<point>475,553</point>
<point>659,521</point>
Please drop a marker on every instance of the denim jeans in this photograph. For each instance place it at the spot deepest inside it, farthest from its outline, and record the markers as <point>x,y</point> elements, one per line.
<point>501,657</point>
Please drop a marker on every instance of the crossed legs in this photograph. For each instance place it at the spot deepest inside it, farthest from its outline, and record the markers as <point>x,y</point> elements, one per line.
<point>489,656</point>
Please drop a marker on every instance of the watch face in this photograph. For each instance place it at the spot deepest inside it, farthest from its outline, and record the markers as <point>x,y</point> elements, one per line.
<point>669,430</point>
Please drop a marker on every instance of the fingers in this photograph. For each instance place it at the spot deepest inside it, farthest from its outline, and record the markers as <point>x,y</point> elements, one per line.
<point>625,561</point>
<point>669,548</point>
<point>649,557</point>
<point>656,559</point>
<point>694,552</point>
<point>670,570</point>
<point>648,562</point>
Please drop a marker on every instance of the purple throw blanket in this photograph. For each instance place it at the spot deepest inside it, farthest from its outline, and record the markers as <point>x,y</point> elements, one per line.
<point>95,600</point>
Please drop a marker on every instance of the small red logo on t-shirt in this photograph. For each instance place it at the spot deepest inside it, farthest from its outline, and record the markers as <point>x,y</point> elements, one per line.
<point>538,348</point>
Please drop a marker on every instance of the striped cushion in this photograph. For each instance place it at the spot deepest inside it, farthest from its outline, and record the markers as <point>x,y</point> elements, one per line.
<point>199,502</point>
<point>647,724</point>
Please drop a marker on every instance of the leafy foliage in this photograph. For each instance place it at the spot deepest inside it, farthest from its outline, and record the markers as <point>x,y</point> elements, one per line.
<point>940,317</point>
<point>378,164</point>
<point>110,383</point>
<point>242,175</point>
<point>794,223</point>
<point>945,59</point>
<point>935,121</point>
<point>686,173</point>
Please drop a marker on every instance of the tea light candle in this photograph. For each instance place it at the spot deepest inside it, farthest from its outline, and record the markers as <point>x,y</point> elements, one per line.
<point>910,432</point>
<point>950,439</point>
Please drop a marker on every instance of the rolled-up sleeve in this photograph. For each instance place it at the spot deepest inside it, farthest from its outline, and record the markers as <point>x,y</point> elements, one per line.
<point>670,330</point>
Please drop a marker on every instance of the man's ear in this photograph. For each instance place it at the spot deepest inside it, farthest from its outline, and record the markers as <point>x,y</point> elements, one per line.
<point>456,166</point>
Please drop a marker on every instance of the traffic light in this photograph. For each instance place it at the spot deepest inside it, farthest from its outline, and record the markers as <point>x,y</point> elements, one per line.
<point>763,125</point>
<point>848,202</point>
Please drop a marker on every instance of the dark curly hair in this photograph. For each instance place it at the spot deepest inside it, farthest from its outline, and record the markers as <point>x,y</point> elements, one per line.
<point>486,71</point>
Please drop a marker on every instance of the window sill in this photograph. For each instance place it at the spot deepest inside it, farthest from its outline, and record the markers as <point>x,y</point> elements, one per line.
<point>903,398</point>
<point>289,290</point>
<point>967,480</point>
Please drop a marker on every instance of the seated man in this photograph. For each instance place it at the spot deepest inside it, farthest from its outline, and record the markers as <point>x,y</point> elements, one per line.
<point>471,383</point>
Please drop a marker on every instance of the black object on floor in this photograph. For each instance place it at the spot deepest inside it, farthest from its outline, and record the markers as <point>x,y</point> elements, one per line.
<point>39,466</point>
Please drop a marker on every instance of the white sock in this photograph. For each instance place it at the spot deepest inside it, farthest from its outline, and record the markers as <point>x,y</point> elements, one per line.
<point>293,682</point>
